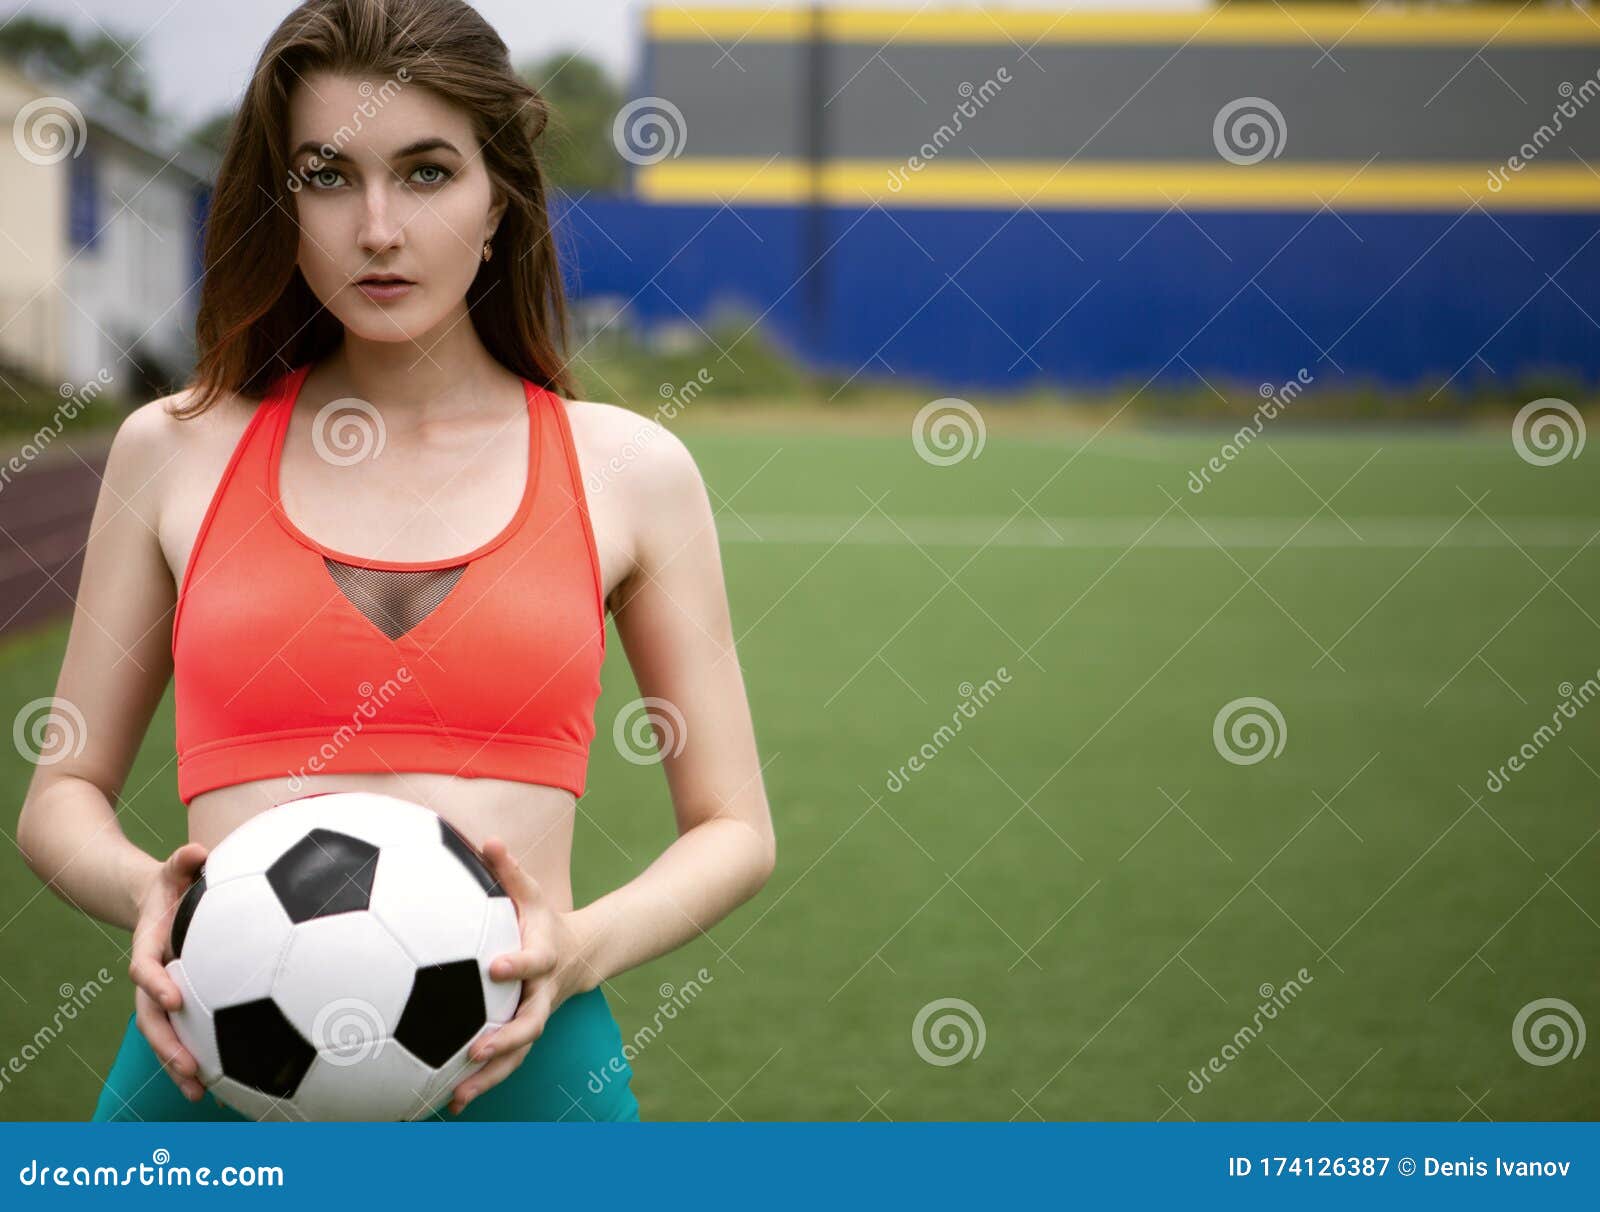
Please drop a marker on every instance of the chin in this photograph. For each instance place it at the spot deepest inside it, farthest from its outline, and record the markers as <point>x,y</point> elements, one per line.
<point>396,329</point>
<point>391,322</point>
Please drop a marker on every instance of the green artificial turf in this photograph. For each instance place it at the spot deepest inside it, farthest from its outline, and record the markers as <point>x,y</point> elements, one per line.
<point>1078,862</point>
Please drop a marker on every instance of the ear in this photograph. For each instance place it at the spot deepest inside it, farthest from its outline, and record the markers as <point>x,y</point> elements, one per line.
<point>497,212</point>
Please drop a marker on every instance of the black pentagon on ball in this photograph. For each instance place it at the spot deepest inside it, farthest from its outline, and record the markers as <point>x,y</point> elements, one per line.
<point>444,1011</point>
<point>464,850</point>
<point>324,873</point>
<point>184,913</point>
<point>261,1049</point>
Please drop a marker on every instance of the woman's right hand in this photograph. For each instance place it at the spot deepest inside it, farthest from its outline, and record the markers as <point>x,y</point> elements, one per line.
<point>155,993</point>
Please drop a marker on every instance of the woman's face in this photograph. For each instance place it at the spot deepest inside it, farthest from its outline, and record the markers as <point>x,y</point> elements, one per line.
<point>388,181</point>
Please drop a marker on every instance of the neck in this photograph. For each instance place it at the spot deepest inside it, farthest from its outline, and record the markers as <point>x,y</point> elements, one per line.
<point>435,378</point>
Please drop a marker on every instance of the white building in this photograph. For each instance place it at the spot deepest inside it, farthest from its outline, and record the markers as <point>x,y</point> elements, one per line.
<point>99,237</point>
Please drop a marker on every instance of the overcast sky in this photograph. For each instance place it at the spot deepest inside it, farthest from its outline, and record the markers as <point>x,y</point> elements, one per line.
<point>199,53</point>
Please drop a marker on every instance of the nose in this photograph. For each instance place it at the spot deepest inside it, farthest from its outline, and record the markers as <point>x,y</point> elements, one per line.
<point>381,228</point>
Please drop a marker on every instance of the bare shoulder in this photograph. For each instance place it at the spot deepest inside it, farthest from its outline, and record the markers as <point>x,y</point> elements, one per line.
<point>155,431</point>
<point>145,446</point>
<point>644,459</point>
<point>156,452</point>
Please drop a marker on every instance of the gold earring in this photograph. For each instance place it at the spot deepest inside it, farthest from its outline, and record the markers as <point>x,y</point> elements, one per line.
<point>486,250</point>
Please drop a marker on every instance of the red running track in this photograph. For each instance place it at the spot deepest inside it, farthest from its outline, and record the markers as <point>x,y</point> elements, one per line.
<point>45,510</point>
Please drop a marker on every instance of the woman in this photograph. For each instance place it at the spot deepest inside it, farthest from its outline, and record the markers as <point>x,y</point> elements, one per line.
<point>378,258</point>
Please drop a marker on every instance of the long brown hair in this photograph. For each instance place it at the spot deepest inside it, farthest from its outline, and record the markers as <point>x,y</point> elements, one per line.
<point>257,317</point>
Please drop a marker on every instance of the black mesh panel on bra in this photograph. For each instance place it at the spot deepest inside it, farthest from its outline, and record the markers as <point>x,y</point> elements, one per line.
<point>394,601</point>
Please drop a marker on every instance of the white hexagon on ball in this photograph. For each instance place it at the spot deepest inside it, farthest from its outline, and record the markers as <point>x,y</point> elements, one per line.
<point>378,1082</point>
<point>444,926</point>
<point>242,929</point>
<point>385,975</point>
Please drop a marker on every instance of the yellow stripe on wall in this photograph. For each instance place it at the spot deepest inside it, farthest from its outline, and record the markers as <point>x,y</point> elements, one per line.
<point>751,24</point>
<point>1324,24</point>
<point>1007,184</point>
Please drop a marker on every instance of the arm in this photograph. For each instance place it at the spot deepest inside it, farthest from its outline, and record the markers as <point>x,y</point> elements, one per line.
<point>673,618</point>
<point>116,667</point>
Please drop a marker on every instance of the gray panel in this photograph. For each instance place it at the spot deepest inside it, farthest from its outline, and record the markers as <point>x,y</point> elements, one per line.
<point>756,111</point>
<point>1119,103</point>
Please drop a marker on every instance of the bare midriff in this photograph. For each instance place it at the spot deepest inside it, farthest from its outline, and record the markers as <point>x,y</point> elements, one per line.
<point>535,821</point>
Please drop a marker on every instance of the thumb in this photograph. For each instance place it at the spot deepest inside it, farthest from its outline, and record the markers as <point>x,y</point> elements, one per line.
<point>509,872</point>
<point>187,859</point>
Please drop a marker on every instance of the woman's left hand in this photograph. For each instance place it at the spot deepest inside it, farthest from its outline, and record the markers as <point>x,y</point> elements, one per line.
<point>549,966</point>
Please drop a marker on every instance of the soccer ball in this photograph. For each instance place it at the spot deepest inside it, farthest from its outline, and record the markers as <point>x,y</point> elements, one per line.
<point>333,957</point>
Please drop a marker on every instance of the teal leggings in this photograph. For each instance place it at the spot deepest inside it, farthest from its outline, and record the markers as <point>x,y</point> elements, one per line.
<point>575,1071</point>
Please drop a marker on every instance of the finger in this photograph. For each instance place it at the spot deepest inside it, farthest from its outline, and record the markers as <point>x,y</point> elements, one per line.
<point>525,1027</point>
<point>148,972</point>
<point>157,1028</point>
<point>523,965</point>
<point>177,1060</point>
<point>153,932</point>
<point>147,960</point>
<point>492,1074</point>
<point>186,860</point>
<point>509,872</point>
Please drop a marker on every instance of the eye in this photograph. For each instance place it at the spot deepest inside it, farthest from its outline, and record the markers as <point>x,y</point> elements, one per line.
<point>319,177</point>
<point>441,174</point>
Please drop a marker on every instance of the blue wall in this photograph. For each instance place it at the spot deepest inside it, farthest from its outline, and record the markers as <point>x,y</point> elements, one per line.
<point>974,298</point>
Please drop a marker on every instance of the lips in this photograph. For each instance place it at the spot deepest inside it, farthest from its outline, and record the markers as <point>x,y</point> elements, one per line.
<point>385,288</point>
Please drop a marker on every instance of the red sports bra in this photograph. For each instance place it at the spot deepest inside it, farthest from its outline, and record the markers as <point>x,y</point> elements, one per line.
<point>291,659</point>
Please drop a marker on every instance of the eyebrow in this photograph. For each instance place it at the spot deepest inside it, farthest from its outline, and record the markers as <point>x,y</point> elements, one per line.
<point>410,149</point>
